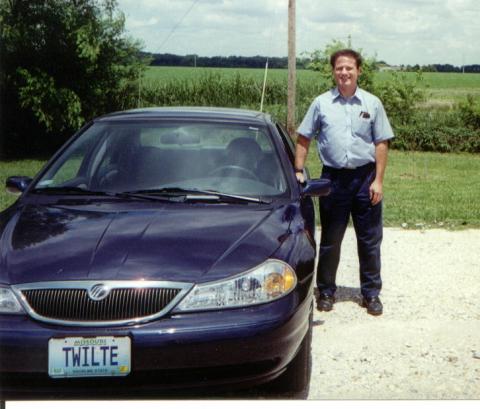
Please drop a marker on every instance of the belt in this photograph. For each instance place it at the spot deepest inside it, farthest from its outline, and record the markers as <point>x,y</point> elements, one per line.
<point>370,165</point>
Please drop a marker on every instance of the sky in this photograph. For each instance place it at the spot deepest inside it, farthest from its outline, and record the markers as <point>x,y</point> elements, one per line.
<point>396,31</point>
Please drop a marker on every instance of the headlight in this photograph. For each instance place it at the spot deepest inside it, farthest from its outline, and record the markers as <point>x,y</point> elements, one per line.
<point>269,281</point>
<point>9,303</point>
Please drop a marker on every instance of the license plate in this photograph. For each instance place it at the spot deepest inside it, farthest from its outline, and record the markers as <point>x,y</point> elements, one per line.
<point>80,357</point>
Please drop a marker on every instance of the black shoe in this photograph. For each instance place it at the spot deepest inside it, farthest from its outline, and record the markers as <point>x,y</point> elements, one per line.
<point>373,305</point>
<point>325,302</point>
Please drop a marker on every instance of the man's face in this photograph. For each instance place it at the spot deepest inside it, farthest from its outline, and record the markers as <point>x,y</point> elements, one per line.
<point>346,72</point>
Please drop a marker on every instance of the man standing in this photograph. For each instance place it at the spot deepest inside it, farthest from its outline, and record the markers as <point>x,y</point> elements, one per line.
<point>352,132</point>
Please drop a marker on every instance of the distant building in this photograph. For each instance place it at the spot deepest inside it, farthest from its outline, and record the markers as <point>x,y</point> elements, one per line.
<point>386,67</point>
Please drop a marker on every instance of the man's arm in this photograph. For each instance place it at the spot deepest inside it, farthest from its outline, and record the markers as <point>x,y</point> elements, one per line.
<point>376,188</point>
<point>301,152</point>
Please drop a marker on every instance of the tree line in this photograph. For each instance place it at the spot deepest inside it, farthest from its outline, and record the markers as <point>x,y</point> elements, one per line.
<point>232,61</point>
<point>473,69</point>
<point>258,61</point>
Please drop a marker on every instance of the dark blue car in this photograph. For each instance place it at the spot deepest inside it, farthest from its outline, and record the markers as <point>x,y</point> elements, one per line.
<point>159,249</point>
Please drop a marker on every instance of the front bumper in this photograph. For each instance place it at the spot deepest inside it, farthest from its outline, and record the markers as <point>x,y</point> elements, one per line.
<point>238,347</point>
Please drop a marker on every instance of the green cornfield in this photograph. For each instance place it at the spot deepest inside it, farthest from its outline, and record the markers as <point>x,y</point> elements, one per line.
<point>229,87</point>
<point>448,88</point>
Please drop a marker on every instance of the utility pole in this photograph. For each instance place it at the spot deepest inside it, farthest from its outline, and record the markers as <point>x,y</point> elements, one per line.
<point>292,68</point>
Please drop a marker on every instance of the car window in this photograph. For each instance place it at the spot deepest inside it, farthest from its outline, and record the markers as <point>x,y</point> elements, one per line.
<point>118,157</point>
<point>68,168</point>
<point>287,140</point>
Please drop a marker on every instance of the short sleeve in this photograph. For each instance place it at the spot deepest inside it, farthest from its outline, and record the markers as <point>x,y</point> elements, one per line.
<point>382,129</point>
<point>310,125</point>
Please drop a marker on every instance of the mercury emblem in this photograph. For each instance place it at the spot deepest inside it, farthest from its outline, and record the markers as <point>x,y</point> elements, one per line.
<point>98,292</point>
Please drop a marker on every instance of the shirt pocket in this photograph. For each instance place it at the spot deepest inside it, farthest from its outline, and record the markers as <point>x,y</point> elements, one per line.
<point>363,128</point>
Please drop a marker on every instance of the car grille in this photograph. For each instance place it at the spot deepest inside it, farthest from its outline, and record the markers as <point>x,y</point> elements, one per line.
<point>121,304</point>
<point>125,304</point>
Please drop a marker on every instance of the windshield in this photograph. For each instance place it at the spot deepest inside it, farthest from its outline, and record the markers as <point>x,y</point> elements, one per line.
<point>156,155</point>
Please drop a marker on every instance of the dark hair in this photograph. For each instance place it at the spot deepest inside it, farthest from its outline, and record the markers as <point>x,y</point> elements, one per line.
<point>346,53</point>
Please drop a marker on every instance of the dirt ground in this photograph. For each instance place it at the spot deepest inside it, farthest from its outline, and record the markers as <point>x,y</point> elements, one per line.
<point>426,345</point>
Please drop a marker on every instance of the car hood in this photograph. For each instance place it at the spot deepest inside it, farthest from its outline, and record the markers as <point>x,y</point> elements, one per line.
<point>105,241</point>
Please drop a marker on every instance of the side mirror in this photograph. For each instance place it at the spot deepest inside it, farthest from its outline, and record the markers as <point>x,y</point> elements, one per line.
<point>15,185</point>
<point>316,187</point>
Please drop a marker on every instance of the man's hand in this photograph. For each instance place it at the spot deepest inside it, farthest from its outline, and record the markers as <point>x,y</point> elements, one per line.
<point>376,192</point>
<point>300,177</point>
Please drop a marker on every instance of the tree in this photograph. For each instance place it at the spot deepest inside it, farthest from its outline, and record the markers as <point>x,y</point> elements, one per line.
<point>63,62</point>
<point>320,61</point>
<point>399,94</point>
<point>470,112</point>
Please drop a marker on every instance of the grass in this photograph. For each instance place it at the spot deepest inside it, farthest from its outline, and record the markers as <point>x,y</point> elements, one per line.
<point>433,189</point>
<point>16,168</point>
<point>422,190</point>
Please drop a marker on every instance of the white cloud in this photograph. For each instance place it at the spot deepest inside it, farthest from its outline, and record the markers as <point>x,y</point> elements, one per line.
<point>398,31</point>
<point>134,23</point>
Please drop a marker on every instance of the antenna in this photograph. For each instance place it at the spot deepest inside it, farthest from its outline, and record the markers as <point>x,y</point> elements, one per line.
<point>139,90</point>
<point>292,66</point>
<point>264,85</point>
<point>269,46</point>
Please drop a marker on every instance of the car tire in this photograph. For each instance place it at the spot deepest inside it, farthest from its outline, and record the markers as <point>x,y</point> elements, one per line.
<point>296,379</point>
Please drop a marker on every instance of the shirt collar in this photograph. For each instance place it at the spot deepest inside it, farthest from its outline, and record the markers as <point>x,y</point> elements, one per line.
<point>355,97</point>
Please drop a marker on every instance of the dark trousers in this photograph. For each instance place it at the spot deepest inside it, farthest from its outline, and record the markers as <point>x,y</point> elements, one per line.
<point>350,196</point>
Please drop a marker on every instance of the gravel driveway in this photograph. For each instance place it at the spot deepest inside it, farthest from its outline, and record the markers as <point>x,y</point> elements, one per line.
<point>426,345</point>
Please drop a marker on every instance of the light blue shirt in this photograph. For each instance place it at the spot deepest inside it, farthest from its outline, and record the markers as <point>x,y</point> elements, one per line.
<point>346,129</point>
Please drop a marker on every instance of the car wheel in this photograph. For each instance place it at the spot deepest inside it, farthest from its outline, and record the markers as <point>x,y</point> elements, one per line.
<point>296,379</point>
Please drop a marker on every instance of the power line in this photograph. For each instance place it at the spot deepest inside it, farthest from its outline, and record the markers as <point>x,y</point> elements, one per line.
<point>178,23</point>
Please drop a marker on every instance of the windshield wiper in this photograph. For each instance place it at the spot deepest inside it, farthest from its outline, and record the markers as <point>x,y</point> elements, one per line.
<point>69,189</point>
<point>239,198</point>
<point>82,191</point>
<point>144,196</point>
<point>198,194</point>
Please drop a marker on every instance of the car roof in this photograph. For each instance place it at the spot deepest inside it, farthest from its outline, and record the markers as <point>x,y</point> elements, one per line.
<point>190,113</point>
